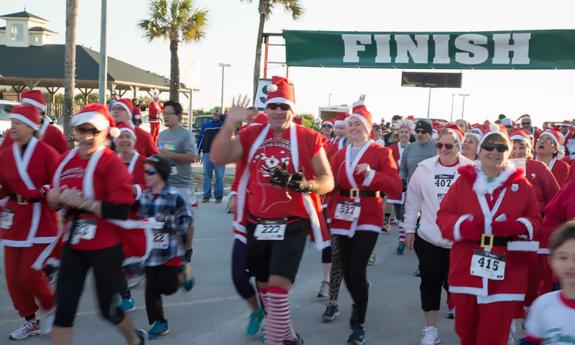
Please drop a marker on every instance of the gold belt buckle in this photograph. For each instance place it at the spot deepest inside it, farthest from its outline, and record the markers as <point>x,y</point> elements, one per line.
<point>354,193</point>
<point>20,200</point>
<point>486,241</point>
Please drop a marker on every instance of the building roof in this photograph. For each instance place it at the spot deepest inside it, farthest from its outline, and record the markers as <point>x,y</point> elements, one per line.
<point>46,65</point>
<point>22,14</point>
<point>41,29</point>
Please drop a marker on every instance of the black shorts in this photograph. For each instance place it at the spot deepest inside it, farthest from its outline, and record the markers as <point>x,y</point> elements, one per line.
<point>281,258</point>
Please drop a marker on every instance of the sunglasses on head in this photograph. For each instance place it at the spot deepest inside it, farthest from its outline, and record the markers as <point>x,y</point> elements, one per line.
<point>499,147</point>
<point>282,106</point>
<point>151,172</point>
<point>439,146</point>
<point>82,130</point>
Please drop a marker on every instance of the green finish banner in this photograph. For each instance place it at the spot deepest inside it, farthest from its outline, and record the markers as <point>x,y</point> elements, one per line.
<point>539,49</point>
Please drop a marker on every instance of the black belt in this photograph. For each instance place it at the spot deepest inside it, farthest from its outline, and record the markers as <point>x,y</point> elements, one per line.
<point>21,200</point>
<point>354,193</point>
<point>488,241</point>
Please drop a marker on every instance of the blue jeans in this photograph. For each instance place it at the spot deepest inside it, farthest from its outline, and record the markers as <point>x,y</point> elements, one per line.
<point>210,167</point>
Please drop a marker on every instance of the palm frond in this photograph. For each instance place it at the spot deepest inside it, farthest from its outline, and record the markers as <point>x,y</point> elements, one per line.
<point>194,28</point>
<point>294,7</point>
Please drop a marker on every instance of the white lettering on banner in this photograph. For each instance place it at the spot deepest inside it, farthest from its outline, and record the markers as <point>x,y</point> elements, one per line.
<point>474,49</point>
<point>353,45</point>
<point>519,47</point>
<point>406,47</point>
<point>441,49</point>
<point>383,50</point>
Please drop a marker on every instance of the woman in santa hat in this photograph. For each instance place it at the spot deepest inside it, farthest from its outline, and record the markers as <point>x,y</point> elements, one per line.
<point>472,138</point>
<point>27,223</point>
<point>361,171</point>
<point>492,216</point>
<point>430,182</point>
<point>549,149</point>
<point>327,130</point>
<point>94,188</point>
<point>340,135</point>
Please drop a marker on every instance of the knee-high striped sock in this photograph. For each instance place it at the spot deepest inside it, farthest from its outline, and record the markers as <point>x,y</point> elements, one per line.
<point>278,322</point>
<point>401,232</point>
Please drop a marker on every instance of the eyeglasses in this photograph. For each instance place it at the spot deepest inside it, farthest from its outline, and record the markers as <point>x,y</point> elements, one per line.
<point>151,172</point>
<point>439,146</point>
<point>282,106</point>
<point>420,131</point>
<point>499,147</point>
<point>326,126</point>
<point>84,131</point>
<point>118,108</point>
<point>526,123</point>
<point>545,141</point>
<point>168,113</point>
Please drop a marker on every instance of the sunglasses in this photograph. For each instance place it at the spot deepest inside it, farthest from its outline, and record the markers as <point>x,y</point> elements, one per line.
<point>420,131</point>
<point>499,147</point>
<point>92,131</point>
<point>439,146</point>
<point>151,172</point>
<point>282,106</point>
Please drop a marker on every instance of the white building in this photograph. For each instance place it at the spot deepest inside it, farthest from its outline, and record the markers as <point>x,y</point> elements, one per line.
<point>23,29</point>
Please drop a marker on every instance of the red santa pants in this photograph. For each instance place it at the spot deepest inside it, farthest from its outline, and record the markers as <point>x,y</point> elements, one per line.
<point>154,130</point>
<point>483,324</point>
<point>26,285</point>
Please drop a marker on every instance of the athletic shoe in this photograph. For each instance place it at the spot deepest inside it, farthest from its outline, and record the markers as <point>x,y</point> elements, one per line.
<point>330,313</point>
<point>158,329</point>
<point>27,329</point>
<point>255,322</point>
<point>371,260</point>
<point>218,200</point>
<point>357,336</point>
<point>295,341</point>
<point>46,320</point>
<point>205,200</point>
<point>142,335</point>
<point>323,290</point>
<point>450,315</point>
<point>127,304</point>
<point>430,336</point>
<point>400,248</point>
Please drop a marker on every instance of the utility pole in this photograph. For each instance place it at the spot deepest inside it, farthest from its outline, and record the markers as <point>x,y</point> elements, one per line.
<point>428,102</point>
<point>463,104</point>
<point>452,101</point>
<point>329,99</point>
<point>223,66</point>
<point>103,70</point>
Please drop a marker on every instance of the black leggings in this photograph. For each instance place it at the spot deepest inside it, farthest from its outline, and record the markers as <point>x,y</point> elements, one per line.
<point>240,275</point>
<point>160,280</point>
<point>107,266</point>
<point>326,255</point>
<point>434,269</point>
<point>355,253</point>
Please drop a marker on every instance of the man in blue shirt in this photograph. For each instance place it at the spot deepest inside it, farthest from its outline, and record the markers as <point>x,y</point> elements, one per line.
<point>205,139</point>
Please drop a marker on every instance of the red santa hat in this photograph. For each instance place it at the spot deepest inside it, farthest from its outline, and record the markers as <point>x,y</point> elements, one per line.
<point>557,138</point>
<point>280,91</point>
<point>476,131</point>
<point>524,117</point>
<point>340,118</point>
<point>360,112</point>
<point>125,128</point>
<point>28,114</point>
<point>494,129</point>
<point>261,118</point>
<point>35,98</point>
<point>98,116</point>
<point>328,122</point>
<point>521,135</point>
<point>406,124</point>
<point>125,103</point>
<point>454,129</point>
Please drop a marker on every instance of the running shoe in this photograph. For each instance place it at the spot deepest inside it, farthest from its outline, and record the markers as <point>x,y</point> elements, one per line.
<point>142,335</point>
<point>400,248</point>
<point>218,200</point>
<point>430,336</point>
<point>330,313</point>
<point>371,260</point>
<point>323,290</point>
<point>295,341</point>
<point>357,336</point>
<point>28,329</point>
<point>158,329</point>
<point>255,322</point>
<point>127,304</point>
<point>46,319</point>
<point>205,200</point>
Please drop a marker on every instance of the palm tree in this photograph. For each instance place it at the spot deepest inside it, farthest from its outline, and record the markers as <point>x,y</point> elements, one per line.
<point>265,8</point>
<point>70,64</point>
<point>175,21</point>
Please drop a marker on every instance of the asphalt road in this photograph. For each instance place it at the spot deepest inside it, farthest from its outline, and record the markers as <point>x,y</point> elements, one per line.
<point>213,314</point>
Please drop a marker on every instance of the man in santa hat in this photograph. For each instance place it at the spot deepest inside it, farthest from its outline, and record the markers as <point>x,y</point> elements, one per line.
<point>525,123</point>
<point>123,112</point>
<point>47,132</point>
<point>285,168</point>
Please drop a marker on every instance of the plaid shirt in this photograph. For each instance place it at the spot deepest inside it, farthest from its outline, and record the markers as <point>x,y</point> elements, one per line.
<point>169,207</point>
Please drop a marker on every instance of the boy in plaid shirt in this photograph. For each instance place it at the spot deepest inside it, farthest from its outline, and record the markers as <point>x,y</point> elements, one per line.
<point>164,265</point>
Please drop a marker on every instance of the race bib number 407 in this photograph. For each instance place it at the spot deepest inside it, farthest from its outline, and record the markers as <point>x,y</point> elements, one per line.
<point>270,232</point>
<point>488,265</point>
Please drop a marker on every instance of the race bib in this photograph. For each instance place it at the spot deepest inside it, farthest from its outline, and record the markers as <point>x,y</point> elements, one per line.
<point>488,265</point>
<point>7,219</point>
<point>174,170</point>
<point>161,240</point>
<point>347,211</point>
<point>271,231</point>
<point>85,230</point>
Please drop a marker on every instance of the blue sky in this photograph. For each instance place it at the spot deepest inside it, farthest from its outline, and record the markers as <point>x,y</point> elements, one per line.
<point>546,95</point>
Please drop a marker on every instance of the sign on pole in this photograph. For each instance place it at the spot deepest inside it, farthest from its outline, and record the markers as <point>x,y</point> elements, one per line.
<point>262,93</point>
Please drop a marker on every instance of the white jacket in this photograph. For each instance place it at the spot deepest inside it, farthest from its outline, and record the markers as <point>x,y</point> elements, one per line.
<point>422,197</point>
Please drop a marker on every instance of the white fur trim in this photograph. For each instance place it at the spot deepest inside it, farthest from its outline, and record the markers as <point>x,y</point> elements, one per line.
<point>339,122</point>
<point>123,106</point>
<point>369,227</point>
<point>457,227</point>
<point>502,297</point>
<point>369,179</point>
<point>129,130</point>
<point>96,119</point>
<point>528,225</point>
<point>523,246</point>
<point>34,103</point>
<point>26,120</point>
<point>481,186</point>
<point>544,251</point>
<point>138,191</point>
<point>467,290</point>
<point>363,120</point>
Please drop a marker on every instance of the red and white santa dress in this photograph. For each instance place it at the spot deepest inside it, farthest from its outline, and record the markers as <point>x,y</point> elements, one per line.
<point>560,169</point>
<point>489,221</point>
<point>337,142</point>
<point>27,223</point>
<point>144,142</point>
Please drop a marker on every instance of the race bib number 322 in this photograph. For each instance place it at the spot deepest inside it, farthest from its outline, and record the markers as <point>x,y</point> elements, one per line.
<point>270,232</point>
<point>488,265</point>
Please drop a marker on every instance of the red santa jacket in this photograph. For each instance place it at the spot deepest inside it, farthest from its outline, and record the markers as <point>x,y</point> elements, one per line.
<point>24,175</point>
<point>383,177</point>
<point>49,134</point>
<point>144,143</point>
<point>559,210</point>
<point>470,208</point>
<point>560,170</point>
<point>136,171</point>
<point>334,146</point>
<point>154,111</point>
<point>542,180</point>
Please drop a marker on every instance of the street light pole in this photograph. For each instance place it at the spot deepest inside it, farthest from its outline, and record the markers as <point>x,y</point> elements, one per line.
<point>103,68</point>
<point>191,111</point>
<point>452,101</point>
<point>329,99</point>
<point>428,102</point>
<point>223,66</point>
<point>463,104</point>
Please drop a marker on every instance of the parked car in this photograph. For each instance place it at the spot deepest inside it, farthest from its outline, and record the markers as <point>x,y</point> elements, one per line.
<point>5,107</point>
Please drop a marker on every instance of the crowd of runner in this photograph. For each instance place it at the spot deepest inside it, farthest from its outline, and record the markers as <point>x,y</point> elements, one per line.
<point>486,207</point>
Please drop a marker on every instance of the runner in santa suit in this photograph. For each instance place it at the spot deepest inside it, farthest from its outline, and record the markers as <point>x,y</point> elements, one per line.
<point>362,171</point>
<point>154,111</point>
<point>95,190</point>
<point>549,149</point>
<point>471,142</point>
<point>27,223</point>
<point>47,132</point>
<point>327,130</point>
<point>340,135</point>
<point>285,168</point>
<point>122,111</point>
<point>525,123</point>
<point>491,214</point>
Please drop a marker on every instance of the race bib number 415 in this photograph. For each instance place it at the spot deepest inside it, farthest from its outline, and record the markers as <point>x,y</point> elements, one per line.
<point>488,265</point>
<point>270,232</point>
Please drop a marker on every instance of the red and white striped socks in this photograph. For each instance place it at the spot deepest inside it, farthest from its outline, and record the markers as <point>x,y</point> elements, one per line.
<point>278,322</point>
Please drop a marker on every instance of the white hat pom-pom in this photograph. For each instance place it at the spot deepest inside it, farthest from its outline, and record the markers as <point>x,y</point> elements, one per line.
<point>114,132</point>
<point>493,127</point>
<point>272,88</point>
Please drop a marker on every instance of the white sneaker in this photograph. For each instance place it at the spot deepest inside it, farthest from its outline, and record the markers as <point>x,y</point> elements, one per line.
<point>430,336</point>
<point>323,290</point>
<point>46,320</point>
<point>28,329</point>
